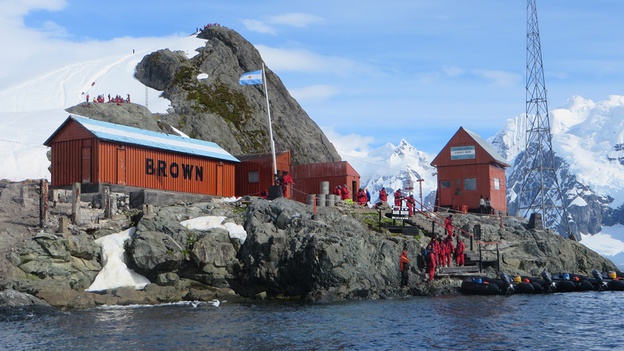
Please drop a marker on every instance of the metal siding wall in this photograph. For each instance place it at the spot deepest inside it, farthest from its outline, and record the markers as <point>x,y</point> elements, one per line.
<point>136,174</point>
<point>498,198</point>
<point>66,162</point>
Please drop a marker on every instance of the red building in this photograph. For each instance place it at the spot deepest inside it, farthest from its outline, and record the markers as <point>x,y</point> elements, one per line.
<point>468,168</point>
<point>308,178</point>
<point>89,151</point>
<point>255,172</point>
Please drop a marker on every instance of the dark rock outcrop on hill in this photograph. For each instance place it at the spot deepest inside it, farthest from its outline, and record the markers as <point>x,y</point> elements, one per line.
<point>218,109</point>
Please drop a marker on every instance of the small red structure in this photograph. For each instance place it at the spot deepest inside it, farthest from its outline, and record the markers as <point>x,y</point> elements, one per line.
<point>308,178</point>
<point>90,151</point>
<point>468,168</point>
<point>254,173</point>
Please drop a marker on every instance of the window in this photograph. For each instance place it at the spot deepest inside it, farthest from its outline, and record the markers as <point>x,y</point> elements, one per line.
<point>496,184</point>
<point>444,184</point>
<point>253,177</point>
<point>470,184</point>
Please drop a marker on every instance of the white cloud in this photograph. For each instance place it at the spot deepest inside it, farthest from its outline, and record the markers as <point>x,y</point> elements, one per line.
<point>499,78</point>
<point>453,71</point>
<point>258,26</point>
<point>350,145</point>
<point>319,92</point>
<point>301,60</point>
<point>298,20</point>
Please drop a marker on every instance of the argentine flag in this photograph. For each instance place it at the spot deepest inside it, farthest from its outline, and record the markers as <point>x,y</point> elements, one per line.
<point>251,78</point>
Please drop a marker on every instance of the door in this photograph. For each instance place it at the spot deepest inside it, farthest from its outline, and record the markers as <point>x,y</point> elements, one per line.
<point>220,179</point>
<point>121,166</point>
<point>85,164</point>
<point>446,193</point>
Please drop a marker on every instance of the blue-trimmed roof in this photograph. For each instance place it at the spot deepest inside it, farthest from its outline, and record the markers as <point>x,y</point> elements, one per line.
<point>130,135</point>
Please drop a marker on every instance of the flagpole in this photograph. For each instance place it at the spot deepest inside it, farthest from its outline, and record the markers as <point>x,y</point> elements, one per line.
<point>266,94</point>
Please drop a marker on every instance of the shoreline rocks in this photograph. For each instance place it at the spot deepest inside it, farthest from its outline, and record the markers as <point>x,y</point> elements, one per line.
<point>337,254</point>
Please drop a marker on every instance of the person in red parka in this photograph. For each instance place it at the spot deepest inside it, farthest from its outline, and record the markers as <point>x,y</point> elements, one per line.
<point>345,192</point>
<point>398,197</point>
<point>448,225</point>
<point>361,197</point>
<point>411,203</point>
<point>383,195</point>
<point>459,251</point>
<point>286,182</point>
<point>441,253</point>
<point>338,191</point>
<point>431,261</point>
<point>450,250</point>
<point>404,268</point>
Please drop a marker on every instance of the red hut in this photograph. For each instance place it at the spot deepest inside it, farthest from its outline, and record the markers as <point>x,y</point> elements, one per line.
<point>89,151</point>
<point>469,168</point>
<point>308,178</point>
<point>255,172</point>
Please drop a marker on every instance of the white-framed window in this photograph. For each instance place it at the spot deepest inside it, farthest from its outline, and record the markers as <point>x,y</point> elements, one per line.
<point>496,184</point>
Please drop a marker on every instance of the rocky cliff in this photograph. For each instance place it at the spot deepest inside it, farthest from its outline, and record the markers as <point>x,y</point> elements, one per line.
<point>338,253</point>
<point>208,103</point>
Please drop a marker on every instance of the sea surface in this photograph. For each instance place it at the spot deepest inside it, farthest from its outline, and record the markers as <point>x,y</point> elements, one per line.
<point>561,321</point>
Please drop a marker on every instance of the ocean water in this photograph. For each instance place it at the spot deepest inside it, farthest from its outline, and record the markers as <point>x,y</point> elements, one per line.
<point>561,321</point>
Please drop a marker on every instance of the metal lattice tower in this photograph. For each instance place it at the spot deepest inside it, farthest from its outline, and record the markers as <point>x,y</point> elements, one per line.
<point>540,192</point>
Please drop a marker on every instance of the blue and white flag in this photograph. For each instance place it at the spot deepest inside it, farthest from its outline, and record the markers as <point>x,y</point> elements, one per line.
<point>251,78</point>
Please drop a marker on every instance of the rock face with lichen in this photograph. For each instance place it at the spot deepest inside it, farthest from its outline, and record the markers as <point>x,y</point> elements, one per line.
<point>220,110</point>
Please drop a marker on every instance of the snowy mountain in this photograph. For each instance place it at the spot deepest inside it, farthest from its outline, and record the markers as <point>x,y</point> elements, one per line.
<point>588,141</point>
<point>397,167</point>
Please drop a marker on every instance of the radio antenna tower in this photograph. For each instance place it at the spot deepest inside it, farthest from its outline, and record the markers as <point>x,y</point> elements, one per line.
<point>540,191</point>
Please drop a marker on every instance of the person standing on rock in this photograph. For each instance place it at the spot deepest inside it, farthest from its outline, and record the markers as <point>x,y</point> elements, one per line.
<point>286,183</point>
<point>398,196</point>
<point>459,251</point>
<point>404,268</point>
<point>431,261</point>
<point>448,225</point>
<point>383,195</point>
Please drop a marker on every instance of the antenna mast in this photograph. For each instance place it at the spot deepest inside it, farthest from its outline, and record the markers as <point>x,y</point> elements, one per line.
<point>540,192</point>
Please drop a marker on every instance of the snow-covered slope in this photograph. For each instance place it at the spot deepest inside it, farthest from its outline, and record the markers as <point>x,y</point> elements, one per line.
<point>31,111</point>
<point>588,136</point>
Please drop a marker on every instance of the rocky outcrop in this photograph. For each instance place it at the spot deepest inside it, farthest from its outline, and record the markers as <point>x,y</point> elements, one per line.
<point>290,252</point>
<point>218,109</point>
<point>333,256</point>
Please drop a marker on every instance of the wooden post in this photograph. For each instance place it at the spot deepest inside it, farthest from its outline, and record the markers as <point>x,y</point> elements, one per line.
<point>75,216</point>
<point>43,203</point>
<point>497,259</point>
<point>106,201</point>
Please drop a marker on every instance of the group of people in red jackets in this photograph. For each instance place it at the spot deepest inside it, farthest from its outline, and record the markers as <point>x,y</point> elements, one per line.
<point>342,191</point>
<point>439,252</point>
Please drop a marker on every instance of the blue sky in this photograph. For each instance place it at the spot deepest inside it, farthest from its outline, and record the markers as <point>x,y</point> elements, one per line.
<point>367,72</point>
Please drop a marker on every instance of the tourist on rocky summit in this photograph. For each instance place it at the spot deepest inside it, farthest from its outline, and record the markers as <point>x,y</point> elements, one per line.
<point>404,268</point>
<point>368,196</point>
